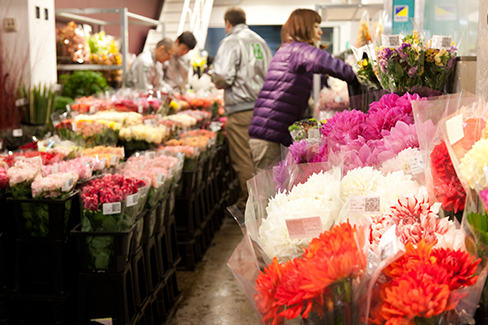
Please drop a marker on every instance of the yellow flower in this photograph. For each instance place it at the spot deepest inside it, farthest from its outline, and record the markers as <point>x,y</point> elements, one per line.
<point>438,58</point>
<point>173,105</point>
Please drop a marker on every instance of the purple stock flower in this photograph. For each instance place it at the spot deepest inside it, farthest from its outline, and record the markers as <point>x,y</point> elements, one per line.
<point>412,71</point>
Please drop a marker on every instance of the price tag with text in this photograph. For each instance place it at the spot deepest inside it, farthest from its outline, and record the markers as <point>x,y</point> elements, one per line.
<point>416,164</point>
<point>365,204</point>
<point>143,191</point>
<point>67,185</point>
<point>132,199</point>
<point>140,109</point>
<point>150,154</point>
<point>114,160</point>
<point>150,122</point>
<point>93,109</point>
<point>160,179</point>
<point>19,158</point>
<point>314,134</point>
<point>17,133</point>
<point>54,169</point>
<point>112,208</point>
<point>391,41</point>
<point>441,42</point>
<point>304,227</point>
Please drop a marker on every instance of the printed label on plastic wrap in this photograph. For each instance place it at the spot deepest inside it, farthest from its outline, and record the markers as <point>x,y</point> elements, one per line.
<point>150,122</point>
<point>388,244</point>
<point>391,41</point>
<point>54,169</point>
<point>143,191</point>
<point>372,262</point>
<point>314,134</point>
<point>67,185</point>
<point>416,164</point>
<point>140,109</point>
<point>150,154</point>
<point>19,158</point>
<point>114,160</point>
<point>21,102</point>
<point>160,179</point>
<point>93,109</point>
<point>122,149</point>
<point>17,133</point>
<point>171,173</point>
<point>365,204</point>
<point>304,227</point>
<point>441,42</point>
<point>132,199</point>
<point>455,131</point>
<point>103,162</point>
<point>112,208</point>
<point>73,126</point>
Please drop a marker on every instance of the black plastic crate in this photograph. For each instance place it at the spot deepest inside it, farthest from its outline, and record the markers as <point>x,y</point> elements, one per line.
<point>153,267</point>
<point>187,183</point>
<point>5,312</point>
<point>8,246</point>
<point>172,242</point>
<point>49,219</point>
<point>43,311</point>
<point>139,280</point>
<point>164,251</point>
<point>157,307</point>
<point>107,295</point>
<point>146,313</point>
<point>101,251</point>
<point>45,268</point>
<point>190,252</point>
<point>187,214</point>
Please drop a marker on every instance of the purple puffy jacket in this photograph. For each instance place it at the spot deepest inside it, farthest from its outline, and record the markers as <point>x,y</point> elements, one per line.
<point>287,88</point>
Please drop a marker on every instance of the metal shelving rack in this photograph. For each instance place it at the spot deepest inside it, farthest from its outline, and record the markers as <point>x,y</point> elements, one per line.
<point>77,15</point>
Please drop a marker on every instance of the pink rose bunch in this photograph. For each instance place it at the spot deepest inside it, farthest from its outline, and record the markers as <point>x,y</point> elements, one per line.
<point>83,167</point>
<point>3,180</point>
<point>189,151</point>
<point>167,162</point>
<point>24,171</point>
<point>54,185</point>
<point>108,189</point>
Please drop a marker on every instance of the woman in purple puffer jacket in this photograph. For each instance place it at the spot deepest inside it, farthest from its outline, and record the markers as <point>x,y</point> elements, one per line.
<point>288,85</point>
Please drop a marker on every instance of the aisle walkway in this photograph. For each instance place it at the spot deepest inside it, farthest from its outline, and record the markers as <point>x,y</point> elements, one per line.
<point>211,295</point>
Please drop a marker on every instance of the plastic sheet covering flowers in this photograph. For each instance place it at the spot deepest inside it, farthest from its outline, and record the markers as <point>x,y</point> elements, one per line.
<point>426,285</point>
<point>318,285</point>
<point>439,63</point>
<point>83,167</point>
<point>366,66</point>
<point>402,67</point>
<point>21,176</point>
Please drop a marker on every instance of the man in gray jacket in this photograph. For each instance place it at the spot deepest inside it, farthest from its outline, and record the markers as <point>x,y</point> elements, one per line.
<point>240,68</point>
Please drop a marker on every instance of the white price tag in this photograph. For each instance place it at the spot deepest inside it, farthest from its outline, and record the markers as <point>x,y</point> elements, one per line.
<point>68,108</point>
<point>314,134</point>
<point>171,173</point>
<point>160,179</point>
<point>132,199</point>
<point>19,158</point>
<point>122,149</point>
<point>93,109</point>
<point>455,131</point>
<point>388,244</point>
<point>17,133</point>
<point>173,127</point>
<point>112,208</point>
<point>416,164</point>
<point>196,150</point>
<point>21,102</point>
<point>338,99</point>
<point>54,169</point>
<point>73,126</point>
<point>114,160</point>
<point>67,185</point>
<point>365,204</point>
<point>150,154</point>
<point>140,109</point>
<point>304,227</point>
<point>150,122</point>
<point>441,42</point>
<point>391,41</point>
<point>143,191</point>
<point>103,162</point>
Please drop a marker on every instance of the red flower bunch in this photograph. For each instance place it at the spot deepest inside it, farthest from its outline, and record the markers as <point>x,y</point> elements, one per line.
<point>422,283</point>
<point>108,189</point>
<point>447,187</point>
<point>3,180</point>
<point>29,147</point>
<point>47,158</point>
<point>305,284</point>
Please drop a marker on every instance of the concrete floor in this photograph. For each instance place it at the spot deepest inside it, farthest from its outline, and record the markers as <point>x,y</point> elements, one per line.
<point>211,295</point>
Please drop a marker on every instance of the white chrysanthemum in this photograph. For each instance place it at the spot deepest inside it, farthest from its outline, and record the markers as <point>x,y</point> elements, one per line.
<point>393,185</point>
<point>316,197</point>
<point>400,162</point>
<point>360,182</point>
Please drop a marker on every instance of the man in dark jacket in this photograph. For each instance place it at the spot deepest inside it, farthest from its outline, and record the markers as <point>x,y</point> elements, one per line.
<point>240,67</point>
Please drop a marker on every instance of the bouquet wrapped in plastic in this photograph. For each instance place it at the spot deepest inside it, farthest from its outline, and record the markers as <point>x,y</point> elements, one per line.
<point>366,66</point>
<point>364,34</point>
<point>305,129</point>
<point>440,56</point>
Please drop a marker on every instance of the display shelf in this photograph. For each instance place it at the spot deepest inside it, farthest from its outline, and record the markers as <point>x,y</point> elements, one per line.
<point>78,16</point>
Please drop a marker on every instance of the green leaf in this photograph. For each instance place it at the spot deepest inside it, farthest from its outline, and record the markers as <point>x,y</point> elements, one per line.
<point>102,261</point>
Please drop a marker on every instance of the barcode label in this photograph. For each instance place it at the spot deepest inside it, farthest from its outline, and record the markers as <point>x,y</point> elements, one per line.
<point>54,169</point>
<point>112,208</point>
<point>132,199</point>
<point>171,173</point>
<point>114,160</point>
<point>455,131</point>
<point>67,185</point>
<point>391,40</point>
<point>160,179</point>
<point>304,227</point>
<point>17,133</point>
<point>365,204</point>
<point>150,154</point>
<point>21,102</point>
<point>416,165</point>
<point>150,122</point>
<point>73,126</point>
<point>140,109</point>
<point>143,191</point>
<point>441,42</point>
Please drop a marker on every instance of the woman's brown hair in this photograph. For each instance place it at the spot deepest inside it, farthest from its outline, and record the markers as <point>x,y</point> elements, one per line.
<point>300,26</point>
